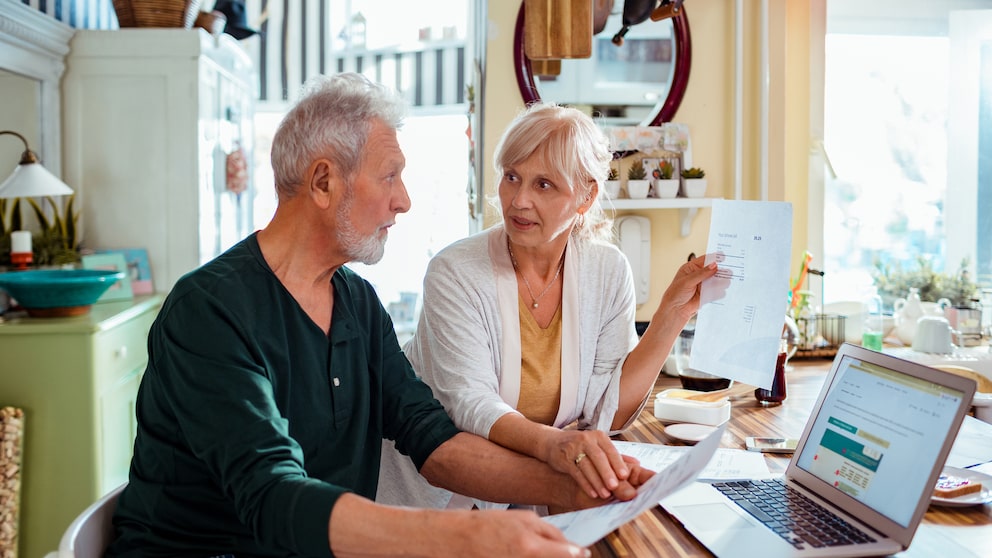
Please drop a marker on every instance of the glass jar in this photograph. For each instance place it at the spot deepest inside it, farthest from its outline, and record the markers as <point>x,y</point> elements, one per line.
<point>777,393</point>
<point>873,327</point>
<point>691,378</point>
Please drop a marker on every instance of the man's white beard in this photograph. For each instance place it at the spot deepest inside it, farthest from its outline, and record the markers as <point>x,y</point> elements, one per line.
<point>368,249</point>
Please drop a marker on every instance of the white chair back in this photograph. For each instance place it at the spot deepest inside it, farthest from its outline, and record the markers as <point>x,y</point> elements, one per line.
<point>89,535</point>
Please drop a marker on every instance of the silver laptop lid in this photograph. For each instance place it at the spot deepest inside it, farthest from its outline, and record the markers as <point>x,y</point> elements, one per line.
<point>880,434</point>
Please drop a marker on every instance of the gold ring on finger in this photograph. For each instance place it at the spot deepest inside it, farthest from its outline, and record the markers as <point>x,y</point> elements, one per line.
<point>579,458</point>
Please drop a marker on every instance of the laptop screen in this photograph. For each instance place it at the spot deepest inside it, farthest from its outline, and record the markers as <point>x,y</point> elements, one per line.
<point>878,434</point>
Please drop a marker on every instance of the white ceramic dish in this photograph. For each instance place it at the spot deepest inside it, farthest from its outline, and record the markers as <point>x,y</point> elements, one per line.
<point>975,498</point>
<point>687,432</point>
<point>671,406</point>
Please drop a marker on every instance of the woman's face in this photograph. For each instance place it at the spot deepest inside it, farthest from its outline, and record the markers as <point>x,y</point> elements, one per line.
<point>539,205</point>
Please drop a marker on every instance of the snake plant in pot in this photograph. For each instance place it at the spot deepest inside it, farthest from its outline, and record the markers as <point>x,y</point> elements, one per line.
<point>54,244</point>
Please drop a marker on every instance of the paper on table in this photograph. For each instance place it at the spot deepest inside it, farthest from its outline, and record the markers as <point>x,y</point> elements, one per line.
<point>737,336</point>
<point>727,464</point>
<point>585,527</point>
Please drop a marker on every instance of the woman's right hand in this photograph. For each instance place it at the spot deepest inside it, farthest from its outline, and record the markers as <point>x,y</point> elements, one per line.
<point>589,457</point>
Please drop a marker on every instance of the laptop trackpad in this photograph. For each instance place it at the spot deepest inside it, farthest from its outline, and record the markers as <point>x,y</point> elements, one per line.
<point>708,517</point>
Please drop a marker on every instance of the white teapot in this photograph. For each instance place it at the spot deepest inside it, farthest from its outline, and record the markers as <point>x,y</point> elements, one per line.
<point>910,309</point>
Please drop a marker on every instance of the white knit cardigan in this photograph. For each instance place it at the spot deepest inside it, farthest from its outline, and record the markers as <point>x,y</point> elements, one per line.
<point>467,345</point>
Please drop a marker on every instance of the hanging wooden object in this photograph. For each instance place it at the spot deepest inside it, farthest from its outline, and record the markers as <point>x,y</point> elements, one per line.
<point>543,68</point>
<point>556,29</point>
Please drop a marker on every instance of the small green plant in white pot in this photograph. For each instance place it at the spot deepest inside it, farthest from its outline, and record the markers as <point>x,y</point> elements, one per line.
<point>694,182</point>
<point>637,181</point>
<point>611,186</point>
<point>664,185</point>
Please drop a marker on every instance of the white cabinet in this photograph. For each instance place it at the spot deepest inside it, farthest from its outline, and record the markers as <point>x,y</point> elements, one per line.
<point>151,118</point>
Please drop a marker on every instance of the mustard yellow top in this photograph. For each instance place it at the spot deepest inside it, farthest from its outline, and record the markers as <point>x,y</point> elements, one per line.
<point>540,366</point>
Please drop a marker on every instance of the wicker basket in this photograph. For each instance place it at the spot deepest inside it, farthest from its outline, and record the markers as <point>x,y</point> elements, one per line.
<point>820,335</point>
<point>157,13</point>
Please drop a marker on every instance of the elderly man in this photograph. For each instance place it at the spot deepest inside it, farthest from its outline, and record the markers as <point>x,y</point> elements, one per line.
<point>274,374</point>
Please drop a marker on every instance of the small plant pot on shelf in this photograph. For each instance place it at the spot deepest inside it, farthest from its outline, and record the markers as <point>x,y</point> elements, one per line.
<point>693,187</point>
<point>666,188</point>
<point>638,189</point>
<point>611,188</point>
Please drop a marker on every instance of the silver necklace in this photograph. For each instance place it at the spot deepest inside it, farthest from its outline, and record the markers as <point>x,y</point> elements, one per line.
<point>535,299</point>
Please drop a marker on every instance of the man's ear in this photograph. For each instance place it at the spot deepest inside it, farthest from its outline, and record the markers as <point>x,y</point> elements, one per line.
<point>323,183</point>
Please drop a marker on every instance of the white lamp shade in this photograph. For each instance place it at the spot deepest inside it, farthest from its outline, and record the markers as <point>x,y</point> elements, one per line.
<point>30,180</point>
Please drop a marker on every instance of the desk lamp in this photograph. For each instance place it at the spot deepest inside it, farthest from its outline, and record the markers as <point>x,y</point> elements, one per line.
<point>28,180</point>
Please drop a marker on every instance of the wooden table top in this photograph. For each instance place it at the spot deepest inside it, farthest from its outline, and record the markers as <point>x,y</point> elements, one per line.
<point>656,533</point>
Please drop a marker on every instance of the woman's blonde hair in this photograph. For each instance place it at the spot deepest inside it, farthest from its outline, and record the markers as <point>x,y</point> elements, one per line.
<point>566,139</point>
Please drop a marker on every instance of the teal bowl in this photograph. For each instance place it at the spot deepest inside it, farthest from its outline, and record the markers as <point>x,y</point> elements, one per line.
<point>58,292</point>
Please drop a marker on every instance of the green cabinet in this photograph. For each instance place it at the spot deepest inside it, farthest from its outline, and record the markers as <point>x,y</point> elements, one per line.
<point>76,380</point>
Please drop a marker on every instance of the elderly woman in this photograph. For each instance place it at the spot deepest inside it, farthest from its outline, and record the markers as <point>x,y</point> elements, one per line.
<point>527,330</point>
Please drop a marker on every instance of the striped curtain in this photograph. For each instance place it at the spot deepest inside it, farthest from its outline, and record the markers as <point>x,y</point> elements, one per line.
<point>297,41</point>
<point>298,38</point>
<point>80,14</point>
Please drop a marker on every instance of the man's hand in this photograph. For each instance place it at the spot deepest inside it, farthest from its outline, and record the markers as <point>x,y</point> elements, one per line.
<point>361,528</point>
<point>510,533</point>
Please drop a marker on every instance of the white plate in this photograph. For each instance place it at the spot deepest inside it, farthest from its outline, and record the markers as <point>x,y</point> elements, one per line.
<point>688,432</point>
<point>982,496</point>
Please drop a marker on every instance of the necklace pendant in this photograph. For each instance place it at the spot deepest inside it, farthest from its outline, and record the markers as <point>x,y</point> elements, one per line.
<point>535,305</point>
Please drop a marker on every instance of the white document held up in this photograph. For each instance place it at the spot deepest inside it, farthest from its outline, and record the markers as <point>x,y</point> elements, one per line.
<point>738,335</point>
<point>585,527</point>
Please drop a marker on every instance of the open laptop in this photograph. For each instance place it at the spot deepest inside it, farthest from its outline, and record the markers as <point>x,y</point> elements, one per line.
<point>871,452</point>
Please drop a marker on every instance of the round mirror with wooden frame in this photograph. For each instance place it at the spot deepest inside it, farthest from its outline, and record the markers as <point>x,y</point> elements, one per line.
<point>664,108</point>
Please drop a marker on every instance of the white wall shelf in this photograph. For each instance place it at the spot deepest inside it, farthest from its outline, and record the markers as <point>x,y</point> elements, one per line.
<point>688,207</point>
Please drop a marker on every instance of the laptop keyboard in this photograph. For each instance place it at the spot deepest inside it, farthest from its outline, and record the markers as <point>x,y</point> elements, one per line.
<point>791,515</point>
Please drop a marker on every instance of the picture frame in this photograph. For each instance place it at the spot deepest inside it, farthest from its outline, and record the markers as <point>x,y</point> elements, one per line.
<point>138,268</point>
<point>650,165</point>
<point>121,290</point>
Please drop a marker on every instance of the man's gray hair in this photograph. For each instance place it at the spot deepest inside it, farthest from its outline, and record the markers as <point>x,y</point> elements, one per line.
<point>332,119</point>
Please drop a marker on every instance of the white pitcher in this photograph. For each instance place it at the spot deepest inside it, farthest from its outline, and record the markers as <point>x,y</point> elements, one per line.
<point>910,309</point>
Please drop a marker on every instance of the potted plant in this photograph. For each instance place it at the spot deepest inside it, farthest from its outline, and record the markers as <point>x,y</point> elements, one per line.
<point>664,185</point>
<point>637,181</point>
<point>56,244</point>
<point>693,182</point>
<point>893,282</point>
<point>612,184</point>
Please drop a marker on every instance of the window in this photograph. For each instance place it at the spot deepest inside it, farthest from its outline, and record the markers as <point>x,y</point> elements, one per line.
<point>421,48</point>
<point>905,84</point>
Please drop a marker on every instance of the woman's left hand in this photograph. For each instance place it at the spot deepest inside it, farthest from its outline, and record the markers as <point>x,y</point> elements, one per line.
<point>683,294</point>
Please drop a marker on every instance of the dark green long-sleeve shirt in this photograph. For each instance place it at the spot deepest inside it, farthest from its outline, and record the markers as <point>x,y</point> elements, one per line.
<point>252,422</point>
